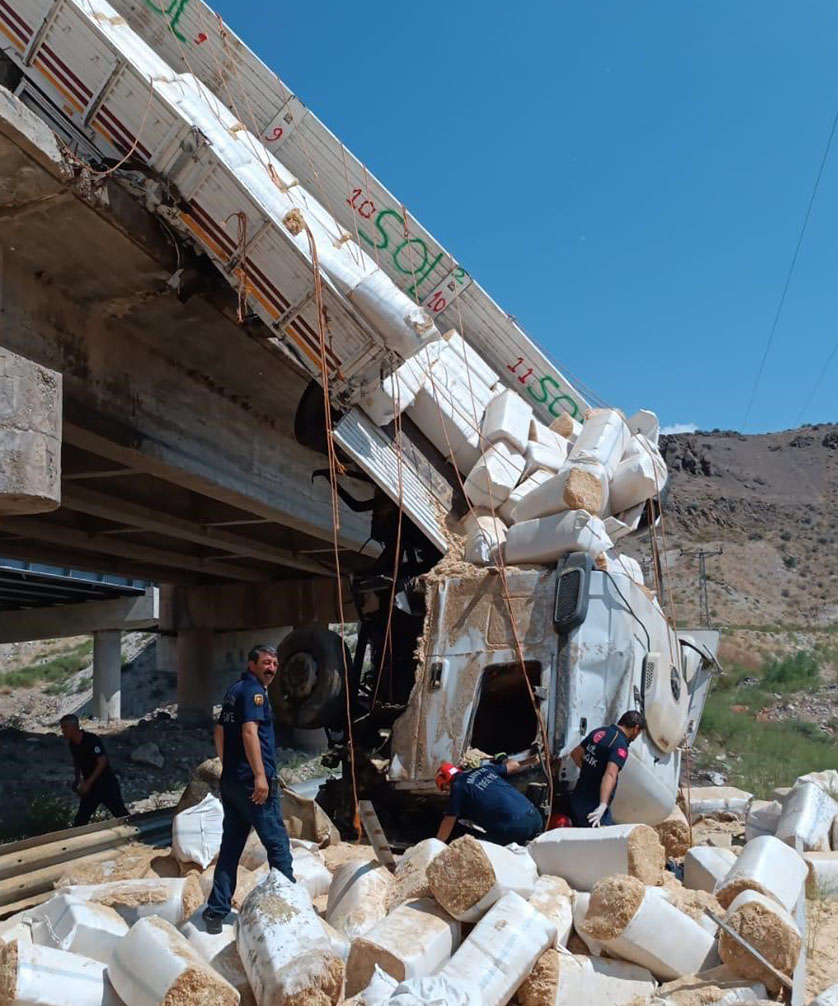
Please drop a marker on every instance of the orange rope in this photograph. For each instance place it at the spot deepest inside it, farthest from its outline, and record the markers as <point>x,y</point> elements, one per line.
<point>334,468</point>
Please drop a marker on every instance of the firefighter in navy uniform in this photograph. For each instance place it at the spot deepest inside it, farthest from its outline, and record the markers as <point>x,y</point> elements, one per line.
<point>95,782</point>
<point>245,742</point>
<point>600,757</point>
<point>484,797</point>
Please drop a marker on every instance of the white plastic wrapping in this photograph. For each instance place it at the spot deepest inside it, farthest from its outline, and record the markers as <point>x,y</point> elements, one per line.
<point>507,418</point>
<point>398,390</point>
<point>449,414</point>
<point>485,537</point>
<point>646,423</point>
<point>708,800</point>
<point>663,939</point>
<point>584,855</point>
<point>358,897</point>
<point>622,565</point>
<point>33,975</point>
<point>544,456</point>
<point>583,980</point>
<point>769,866</point>
<point>705,866</point>
<point>166,897</point>
<point>502,948</point>
<point>541,434</point>
<point>807,816</point>
<point>284,948</point>
<point>566,426</point>
<point>581,900</point>
<point>603,439</point>
<point>829,997</point>
<point>311,872</point>
<point>551,897</point>
<point>467,361</point>
<point>770,947</point>
<point>494,476</point>
<point>637,478</point>
<point>822,882</point>
<point>546,538</point>
<point>413,941</point>
<point>154,963</point>
<point>524,487</point>
<point>511,869</point>
<point>79,927</point>
<point>208,945</point>
<point>572,485</point>
<point>411,874</point>
<point>762,818</point>
<point>196,832</point>
<point>438,990</point>
<point>378,992</point>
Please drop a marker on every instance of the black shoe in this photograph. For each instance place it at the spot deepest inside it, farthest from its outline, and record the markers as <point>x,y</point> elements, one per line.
<point>212,921</point>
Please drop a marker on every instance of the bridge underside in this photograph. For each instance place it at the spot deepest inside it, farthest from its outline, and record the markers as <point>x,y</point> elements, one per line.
<point>177,452</point>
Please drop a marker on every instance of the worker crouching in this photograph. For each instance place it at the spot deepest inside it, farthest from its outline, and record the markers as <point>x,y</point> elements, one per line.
<point>483,797</point>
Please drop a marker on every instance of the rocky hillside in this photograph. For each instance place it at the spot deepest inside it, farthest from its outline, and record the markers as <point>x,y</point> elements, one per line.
<point>770,502</point>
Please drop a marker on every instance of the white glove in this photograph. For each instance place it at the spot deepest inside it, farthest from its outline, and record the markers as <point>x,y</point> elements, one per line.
<point>595,817</point>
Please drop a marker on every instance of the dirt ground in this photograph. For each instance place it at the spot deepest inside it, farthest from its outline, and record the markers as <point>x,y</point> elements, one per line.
<point>822,946</point>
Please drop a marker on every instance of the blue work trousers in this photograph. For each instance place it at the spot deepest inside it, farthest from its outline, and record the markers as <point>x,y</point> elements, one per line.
<point>240,815</point>
<point>581,806</point>
<point>522,830</point>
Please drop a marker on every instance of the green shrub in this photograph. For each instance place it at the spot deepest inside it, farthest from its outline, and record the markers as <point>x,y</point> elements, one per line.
<point>47,812</point>
<point>53,671</point>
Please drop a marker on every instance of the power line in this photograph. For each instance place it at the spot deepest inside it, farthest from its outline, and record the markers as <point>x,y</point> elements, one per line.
<point>817,383</point>
<point>790,272</point>
<point>702,555</point>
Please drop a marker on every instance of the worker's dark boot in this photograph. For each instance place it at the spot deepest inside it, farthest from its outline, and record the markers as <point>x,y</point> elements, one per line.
<point>212,921</point>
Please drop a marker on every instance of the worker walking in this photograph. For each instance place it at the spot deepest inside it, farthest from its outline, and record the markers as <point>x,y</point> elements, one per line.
<point>600,757</point>
<point>484,797</point>
<point>245,742</point>
<point>95,781</point>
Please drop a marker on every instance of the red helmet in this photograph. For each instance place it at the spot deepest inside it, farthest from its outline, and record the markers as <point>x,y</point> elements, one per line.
<point>445,773</point>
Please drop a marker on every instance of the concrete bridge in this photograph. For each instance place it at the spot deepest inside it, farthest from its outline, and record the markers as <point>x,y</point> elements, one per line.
<point>143,430</point>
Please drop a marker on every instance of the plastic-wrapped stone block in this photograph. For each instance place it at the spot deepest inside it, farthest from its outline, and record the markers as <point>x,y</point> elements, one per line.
<point>581,900</point>
<point>762,818</point>
<point>284,949</point>
<point>638,925</point>
<point>708,800</point>
<point>562,979</point>
<point>524,487</point>
<point>220,952</point>
<point>768,866</point>
<point>807,816</point>
<point>414,940</point>
<point>449,415</point>
<point>381,986</point>
<point>471,875</point>
<point>485,537</point>
<point>398,390</point>
<point>494,476</point>
<point>769,929</point>
<point>603,439</point>
<point>621,565</point>
<point>646,424</point>
<point>553,897</point>
<point>410,878</point>
<point>311,872</point>
<point>822,882</point>
<point>171,898</point>
<point>502,948</point>
<point>437,990</point>
<point>674,833</point>
<point>584,856</point>
<point>566,426</point>
<point>358,897</point>
<point>79,927</point>
<point>544,539</point>
<point>507,418</point>
<point>705,866</point>
<point>154,964</point>
<point>829,997</point>
<point>637,479</point>
<point>32,975</point>
<point>544,456</point>
<point>196,832</point>
<point>574,487</point>
<point>460,356</point>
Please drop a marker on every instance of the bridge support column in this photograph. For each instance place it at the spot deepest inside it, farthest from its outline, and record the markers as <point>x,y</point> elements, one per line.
<point>107,674</point>
<point>194,675</point>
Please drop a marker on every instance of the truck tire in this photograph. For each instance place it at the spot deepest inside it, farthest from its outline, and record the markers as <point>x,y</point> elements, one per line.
<point>308,692</point>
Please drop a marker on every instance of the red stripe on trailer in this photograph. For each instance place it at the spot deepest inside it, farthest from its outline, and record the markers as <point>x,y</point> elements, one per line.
<point>60,62</point>
<point>16,17</point>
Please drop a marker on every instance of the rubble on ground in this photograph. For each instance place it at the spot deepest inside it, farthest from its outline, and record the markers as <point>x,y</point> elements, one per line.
<point>576,916</point>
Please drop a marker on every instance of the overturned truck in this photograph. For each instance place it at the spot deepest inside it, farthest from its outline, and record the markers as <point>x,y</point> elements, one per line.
<point>498,615</point>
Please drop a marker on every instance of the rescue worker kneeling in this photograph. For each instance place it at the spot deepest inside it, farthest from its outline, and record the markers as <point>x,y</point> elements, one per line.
<point>484,797</point>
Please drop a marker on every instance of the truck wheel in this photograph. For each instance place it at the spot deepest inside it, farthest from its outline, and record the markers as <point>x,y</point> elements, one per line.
<point>308,692</point>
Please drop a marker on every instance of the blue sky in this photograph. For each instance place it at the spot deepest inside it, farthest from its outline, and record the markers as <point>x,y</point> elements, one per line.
<point>627,179</point>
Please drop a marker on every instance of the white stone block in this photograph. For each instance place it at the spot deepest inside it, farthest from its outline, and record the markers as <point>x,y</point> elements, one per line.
<point>507,418</point>
<point>583,856</point>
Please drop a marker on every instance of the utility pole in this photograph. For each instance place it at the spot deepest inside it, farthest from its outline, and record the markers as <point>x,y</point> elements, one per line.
<point>702,554</point>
